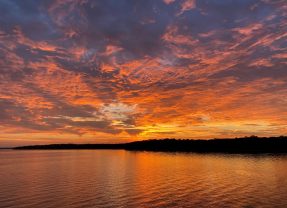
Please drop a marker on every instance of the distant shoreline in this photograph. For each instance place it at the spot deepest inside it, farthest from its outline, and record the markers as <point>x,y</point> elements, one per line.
<point>246,145</point>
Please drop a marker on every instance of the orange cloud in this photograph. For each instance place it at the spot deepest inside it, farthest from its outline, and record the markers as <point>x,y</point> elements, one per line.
<point>181,69</point>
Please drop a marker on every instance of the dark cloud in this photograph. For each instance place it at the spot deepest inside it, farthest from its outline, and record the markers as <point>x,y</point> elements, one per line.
<point>134,26</point>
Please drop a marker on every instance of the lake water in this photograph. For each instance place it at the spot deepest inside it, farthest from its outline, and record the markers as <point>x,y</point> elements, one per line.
<point>118,178</point>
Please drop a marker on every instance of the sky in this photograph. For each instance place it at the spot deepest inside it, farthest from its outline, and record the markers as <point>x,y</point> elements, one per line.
<point>109,71</point>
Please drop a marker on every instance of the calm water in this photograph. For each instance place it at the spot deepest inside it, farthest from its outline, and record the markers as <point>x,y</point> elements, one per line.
<point>112,178</point>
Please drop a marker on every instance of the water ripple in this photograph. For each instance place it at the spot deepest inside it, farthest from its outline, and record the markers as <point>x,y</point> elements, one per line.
<point>76,179</point>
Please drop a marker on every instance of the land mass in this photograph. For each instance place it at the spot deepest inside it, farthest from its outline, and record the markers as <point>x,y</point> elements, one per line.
<point>248,145</point>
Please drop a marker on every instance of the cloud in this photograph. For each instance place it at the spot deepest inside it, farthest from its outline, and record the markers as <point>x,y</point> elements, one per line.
<point>168,1</point>
<point>130,69</point>
<point>117,111</point>
<point>187,5</point>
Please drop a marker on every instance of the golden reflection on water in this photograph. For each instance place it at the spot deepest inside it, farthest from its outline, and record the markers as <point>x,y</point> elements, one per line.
<point>112,178</point>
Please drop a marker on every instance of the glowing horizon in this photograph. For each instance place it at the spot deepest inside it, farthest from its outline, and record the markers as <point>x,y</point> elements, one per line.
<point>86,71</point>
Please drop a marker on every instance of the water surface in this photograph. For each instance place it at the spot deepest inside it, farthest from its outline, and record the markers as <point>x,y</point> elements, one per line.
<point>119,178</point>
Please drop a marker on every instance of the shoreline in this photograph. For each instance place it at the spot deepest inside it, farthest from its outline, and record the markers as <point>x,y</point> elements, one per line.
<point>245,145</point>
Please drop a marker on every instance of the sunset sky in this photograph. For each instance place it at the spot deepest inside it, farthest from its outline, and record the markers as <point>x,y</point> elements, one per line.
<point>100,71</point>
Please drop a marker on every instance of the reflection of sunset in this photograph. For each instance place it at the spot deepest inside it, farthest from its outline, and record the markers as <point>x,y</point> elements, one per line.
<point>72,72</point>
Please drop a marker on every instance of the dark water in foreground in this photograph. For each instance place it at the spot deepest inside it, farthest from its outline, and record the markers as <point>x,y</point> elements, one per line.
<point>118,178</point>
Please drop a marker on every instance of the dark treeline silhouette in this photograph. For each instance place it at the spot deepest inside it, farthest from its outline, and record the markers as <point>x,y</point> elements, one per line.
<point>73,146</point>
<point>252,145</point>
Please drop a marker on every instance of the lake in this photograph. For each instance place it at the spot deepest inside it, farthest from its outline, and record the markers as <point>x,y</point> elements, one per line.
<point>119,178</point>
